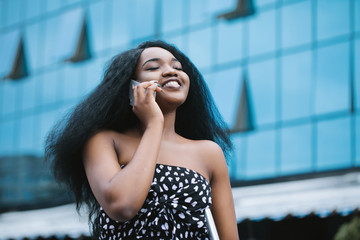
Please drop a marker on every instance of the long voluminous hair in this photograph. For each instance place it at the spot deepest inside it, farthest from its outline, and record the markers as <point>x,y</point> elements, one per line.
<point>107,108</point>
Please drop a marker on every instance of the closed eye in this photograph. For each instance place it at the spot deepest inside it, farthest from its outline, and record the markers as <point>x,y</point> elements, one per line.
<point>152,68</point>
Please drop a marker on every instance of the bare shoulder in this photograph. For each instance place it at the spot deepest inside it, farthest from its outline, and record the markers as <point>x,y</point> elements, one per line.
<point>212,157</point>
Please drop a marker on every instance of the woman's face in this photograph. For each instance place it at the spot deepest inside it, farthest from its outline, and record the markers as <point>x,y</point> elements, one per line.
<point>158,64</point>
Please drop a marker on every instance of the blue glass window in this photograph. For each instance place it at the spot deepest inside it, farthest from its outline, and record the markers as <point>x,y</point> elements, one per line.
<point>332,79</point>
<point>217,7</point>
<point>120,26</point>
<point>261,3</point>
<point>29,93</point>
<point>357,74</point>
<point>296,149</point>
<point>260,155</point>
<point>333,144</point>
<point>10,97</point>
<point>34,9</point>
<point>225,88</point>
<point>172,15</point>
<point>32,45</point>
<point>96,25</point>
<point>94,73</point>
<point>296,86</point>
<point>332,18</point>
<point>8,46</point>
<point>177,40</point>
<point>296,24</point>
<point>238,160</point>
<point>7,138</point>
<point>142,19</point>
<point>26,131</point>
<point>69,34</point>
<point>357,15</point>
<point>262,33</point>
<point>54,5</point>
<point>71,77</point>
<point>13,13</point>
<point>262,89</point>
<point>230,41</point>
<point>200,46</point>
<point>50,90</point>
<point>198,12</point>
<point>52,46</point>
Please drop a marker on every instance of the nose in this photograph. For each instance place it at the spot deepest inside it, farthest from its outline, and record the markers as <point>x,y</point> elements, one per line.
<point>169,71</point>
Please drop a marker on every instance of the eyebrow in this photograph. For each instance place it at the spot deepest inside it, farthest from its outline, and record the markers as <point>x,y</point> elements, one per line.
<point>158,59</point>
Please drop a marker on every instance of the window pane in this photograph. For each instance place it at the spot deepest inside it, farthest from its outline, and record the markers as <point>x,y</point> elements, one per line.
<point>53,5</point>
<point>172,15</point>
<point>120,26</point>
<point>94,73</point>
<point>9,97</point>
<point>200,47</point>
<point>231,40</point>
<point>238,160</point>
<point>32,45</point>
<point>13,13</point>
<point>26,132</point>
<point>296,86</point>
<point>333,18</point>
<point>49,83</point>
<point>70,82</point>
<point>333,144</point>
<point>198,11</point>
<point>7,138</point>
<point>263,91</point>
<point>51,42</point>
<point>28,93</point>
<point>225,88</point>
<point>8,47</point>
<point>96,25</point>
<point>68,33</point>
<point>296,149</point>
<point>296,24</point>
<point>260,155</point>
<point>357,74</point>
<point>34,9</point>
<point>262,26</point>
<point>260,3</point>
<point>142,18</point>
<point>332,79</point>
<point>357,15</point>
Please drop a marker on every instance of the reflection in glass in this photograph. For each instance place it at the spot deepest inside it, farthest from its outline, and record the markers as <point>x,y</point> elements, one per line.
<point>332,79</point>
<point>296,149</point>
<point>296,86</point>
<point>263,89</point>
<point>296,24</point>
<point>332,18</point>
<point>260,155</point>
<point>333,144</point>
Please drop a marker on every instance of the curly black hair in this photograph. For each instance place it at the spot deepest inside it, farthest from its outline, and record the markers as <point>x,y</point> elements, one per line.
<point>107,107</point>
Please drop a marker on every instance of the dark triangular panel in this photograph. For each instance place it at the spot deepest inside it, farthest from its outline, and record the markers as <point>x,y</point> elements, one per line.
<point>82,51</point>
<point>19,67</point>
<point>244,116</point>
<point>243,8</point>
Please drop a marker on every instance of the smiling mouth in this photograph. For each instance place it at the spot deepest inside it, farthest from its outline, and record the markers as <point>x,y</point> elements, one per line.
<point>171,84</point>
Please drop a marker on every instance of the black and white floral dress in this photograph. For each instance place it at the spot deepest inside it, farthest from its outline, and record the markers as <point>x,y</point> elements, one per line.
<point>173,209</point>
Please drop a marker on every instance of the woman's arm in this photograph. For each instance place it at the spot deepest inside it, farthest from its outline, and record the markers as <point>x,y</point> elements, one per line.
<point>222,200</point>
<point>122,192</point>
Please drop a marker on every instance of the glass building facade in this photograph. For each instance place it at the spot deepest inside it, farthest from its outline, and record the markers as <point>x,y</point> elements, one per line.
<point>285,77</point>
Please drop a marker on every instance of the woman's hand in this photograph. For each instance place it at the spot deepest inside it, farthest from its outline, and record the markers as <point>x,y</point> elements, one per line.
<point>145,106</point>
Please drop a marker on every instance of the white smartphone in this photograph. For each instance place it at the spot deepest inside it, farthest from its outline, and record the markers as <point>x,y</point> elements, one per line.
<point>134,83</point>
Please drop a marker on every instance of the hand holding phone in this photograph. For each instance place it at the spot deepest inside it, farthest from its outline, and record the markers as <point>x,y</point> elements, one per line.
<point>134,83</point>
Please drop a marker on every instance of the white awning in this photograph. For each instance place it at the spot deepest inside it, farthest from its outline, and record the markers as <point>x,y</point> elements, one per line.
<point>57,221</point>
<point>320,196</point>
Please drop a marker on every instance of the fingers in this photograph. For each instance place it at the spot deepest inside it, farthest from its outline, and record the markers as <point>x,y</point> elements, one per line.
<point>146,90</point>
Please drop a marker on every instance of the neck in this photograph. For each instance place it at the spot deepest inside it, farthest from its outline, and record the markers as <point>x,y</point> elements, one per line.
<point>169,125</point>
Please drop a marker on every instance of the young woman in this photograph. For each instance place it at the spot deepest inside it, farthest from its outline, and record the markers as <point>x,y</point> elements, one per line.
<point>147,170</point>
